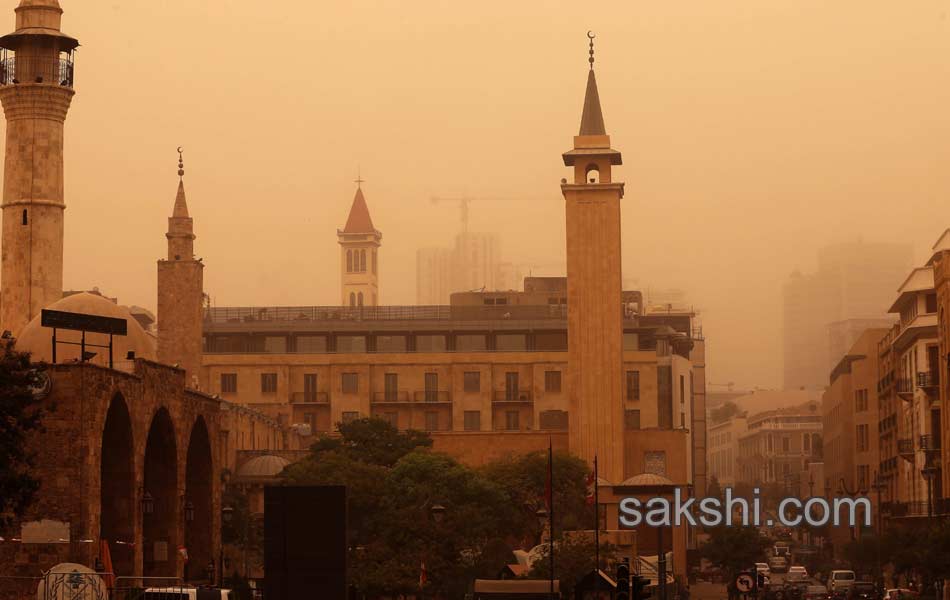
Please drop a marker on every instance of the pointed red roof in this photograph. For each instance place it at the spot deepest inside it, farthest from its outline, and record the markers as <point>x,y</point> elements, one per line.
<point>359,220</point>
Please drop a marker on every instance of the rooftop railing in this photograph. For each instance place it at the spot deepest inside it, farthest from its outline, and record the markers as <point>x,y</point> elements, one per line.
<point>252,314</point>
<point>37,69</point>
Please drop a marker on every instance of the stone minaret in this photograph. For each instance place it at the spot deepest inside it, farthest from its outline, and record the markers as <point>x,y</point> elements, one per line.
<point>594,308</point>
<point>36,88</point>
<point>359,261</point>
<point>180,292</point>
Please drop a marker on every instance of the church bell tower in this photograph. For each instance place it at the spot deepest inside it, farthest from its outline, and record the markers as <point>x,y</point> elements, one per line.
<point>594,304</point>
<point>36,88</point>
<point>359,255</point>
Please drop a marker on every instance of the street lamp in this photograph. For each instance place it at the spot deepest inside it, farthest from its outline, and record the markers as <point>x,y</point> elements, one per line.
<point>227,513</point>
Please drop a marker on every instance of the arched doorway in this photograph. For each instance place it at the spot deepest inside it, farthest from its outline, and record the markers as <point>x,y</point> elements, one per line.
<point>117,487</point>
<point>161,504</point>
<point>198,502</point>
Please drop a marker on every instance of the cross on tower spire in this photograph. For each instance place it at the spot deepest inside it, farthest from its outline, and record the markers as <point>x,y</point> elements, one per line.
<point>359,180</point>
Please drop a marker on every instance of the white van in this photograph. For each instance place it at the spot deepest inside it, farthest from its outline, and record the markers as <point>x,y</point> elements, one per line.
<point>840,581</point>
<point>187,593</point>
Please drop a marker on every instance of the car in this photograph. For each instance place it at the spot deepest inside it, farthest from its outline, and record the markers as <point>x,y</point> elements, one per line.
<point>817,592</point>
<point>187,593</point>
<point>797,573</point>
<point>863,590</point>
<point>778,564</point>
<point>840,582</point>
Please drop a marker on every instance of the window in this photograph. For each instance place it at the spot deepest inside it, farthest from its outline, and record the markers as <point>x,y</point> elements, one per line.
<point>275,344</point>
<point>390,343</point>
<point>311,343</point>
<point>931,303</point>
<point>351,343</point>
<point>682,389</point>
<point>631,420</point>
<point>350,383</point>
<point>683,420</point>
<point>228,383</point>
<point>430,343</point>
<point>25,220</point>
<point>786,444</point>
<point>349,416</point>
<point>391,387</point>
<point>552,381</point>
<point>864,476</point>
<point>768,443</point>
<point>310,387</point>
<point>511,342</point>
<point>471,343</point>
<point>473,420</point>
<point>472,381</point>
<point>633,385</point>
<point>362,261</point>
<point>374,262</point>
<point>432,420</point>
<point>860,400</point>
<point>352,299</point>
<point>349,261</point>
<point>862,439</point>
<point>432,387</point>
<point>511,386</point>
<point>806,442</point>
<point>268,383</point>
<point>511,420</point>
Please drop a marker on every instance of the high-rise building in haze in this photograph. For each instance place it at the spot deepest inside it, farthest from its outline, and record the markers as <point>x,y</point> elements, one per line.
<point>473,263</point>
<point>854,281</point>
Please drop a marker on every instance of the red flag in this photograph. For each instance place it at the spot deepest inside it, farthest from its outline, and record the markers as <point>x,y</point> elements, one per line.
<point>423,577</point>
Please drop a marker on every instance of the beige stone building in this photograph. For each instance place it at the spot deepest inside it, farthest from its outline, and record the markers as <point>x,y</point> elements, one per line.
<point>359,255</point>
<point>778,445</point>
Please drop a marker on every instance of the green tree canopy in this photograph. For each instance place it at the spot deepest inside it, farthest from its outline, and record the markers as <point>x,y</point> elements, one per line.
<point>734,549</point>
<point>20,414</point>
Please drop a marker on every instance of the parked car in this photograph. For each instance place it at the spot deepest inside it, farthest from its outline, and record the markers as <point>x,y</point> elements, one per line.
<point>778,564</point>
<point>797,573</point>
<point>839,582</point>
<point>863,590</point>
<point>817,592</point>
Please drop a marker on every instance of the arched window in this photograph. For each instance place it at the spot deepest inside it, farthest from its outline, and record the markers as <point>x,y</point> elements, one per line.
<point>25,221</point>
<point>359,299</point>
<point>362,261</point>
<point>349,261</point>
<point>374,261</point>
<point>592,174</point>
<point>352,299</point>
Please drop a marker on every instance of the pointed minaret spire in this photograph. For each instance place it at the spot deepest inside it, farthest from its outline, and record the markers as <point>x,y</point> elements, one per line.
<point>592,119</point>
<point>180,234</point>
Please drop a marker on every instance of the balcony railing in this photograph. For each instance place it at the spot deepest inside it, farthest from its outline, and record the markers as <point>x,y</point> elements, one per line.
<point>905,387</point>
<point>309,397</point>
<point>512,395</point>
<point>905,447</point>
<point>431,396</point>
<point>391,396</point>
<point>514,312</point>
<point>36,69</point>
<point>929,442</point>
<point>928,380</point>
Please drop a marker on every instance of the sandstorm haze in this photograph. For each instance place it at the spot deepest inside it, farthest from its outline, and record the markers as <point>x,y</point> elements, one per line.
<point>752,134</point>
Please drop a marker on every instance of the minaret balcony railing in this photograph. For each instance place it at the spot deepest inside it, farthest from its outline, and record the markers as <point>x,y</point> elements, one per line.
<point>37,69</point>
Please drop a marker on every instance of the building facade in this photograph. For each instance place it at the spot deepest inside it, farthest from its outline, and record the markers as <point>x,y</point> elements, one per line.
<point>778,445</point>
<point>359,256</point>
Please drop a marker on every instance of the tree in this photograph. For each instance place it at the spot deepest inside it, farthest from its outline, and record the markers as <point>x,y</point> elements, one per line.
<point>242,529</point>
<point>20,415</point>
<point>734,549</point>
<point>372,440</point>
<point>574,557</point>
<point>524,479</point>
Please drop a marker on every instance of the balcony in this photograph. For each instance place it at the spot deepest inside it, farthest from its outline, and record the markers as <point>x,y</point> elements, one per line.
<point>929,443</point>
<point>37,69</point>
<point>929,382</point>
<point>905,389</point>
<point>432,397</point>
<point>309,398</point>
<point>392,397</point>
<point>512,396</point>
<point>905,448</point>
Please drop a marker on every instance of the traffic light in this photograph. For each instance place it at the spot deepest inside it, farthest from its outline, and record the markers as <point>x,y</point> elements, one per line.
<point>637,584</point>
<point>623,580</point>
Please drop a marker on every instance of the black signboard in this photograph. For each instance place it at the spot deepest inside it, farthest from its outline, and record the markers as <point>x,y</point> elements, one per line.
<point>82,322</point>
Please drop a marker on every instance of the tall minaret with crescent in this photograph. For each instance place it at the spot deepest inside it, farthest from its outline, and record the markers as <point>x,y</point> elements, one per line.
<point>36,89</point>
<point>181,291</point>
<point>594,304</point>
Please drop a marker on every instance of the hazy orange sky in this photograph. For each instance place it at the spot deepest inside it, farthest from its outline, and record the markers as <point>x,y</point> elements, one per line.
<point>753,132</point>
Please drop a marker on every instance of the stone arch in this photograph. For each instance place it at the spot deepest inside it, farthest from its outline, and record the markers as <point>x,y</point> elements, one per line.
<point>117,506</point>
<point>359,299</point>
<point>199,492</point>
<point>592,173</point>
<point>352,299</point>
<point>161,506</point>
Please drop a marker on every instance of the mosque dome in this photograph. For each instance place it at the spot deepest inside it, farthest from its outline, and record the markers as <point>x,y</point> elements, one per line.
<point>647,480</point>
<point>263,466</point>
<point>38,340</point>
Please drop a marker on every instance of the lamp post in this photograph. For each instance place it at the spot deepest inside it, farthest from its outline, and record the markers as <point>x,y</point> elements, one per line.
<point>227,514</point>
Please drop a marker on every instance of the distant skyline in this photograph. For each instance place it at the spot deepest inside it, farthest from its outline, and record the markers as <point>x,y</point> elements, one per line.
<point>752,135</point>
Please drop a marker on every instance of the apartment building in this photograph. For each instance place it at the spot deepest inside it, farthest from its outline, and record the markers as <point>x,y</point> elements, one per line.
<point>778,445</point>
<point>724,449</point>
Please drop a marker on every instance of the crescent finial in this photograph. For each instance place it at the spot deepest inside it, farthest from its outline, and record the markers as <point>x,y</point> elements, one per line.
<point>590,34</point>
